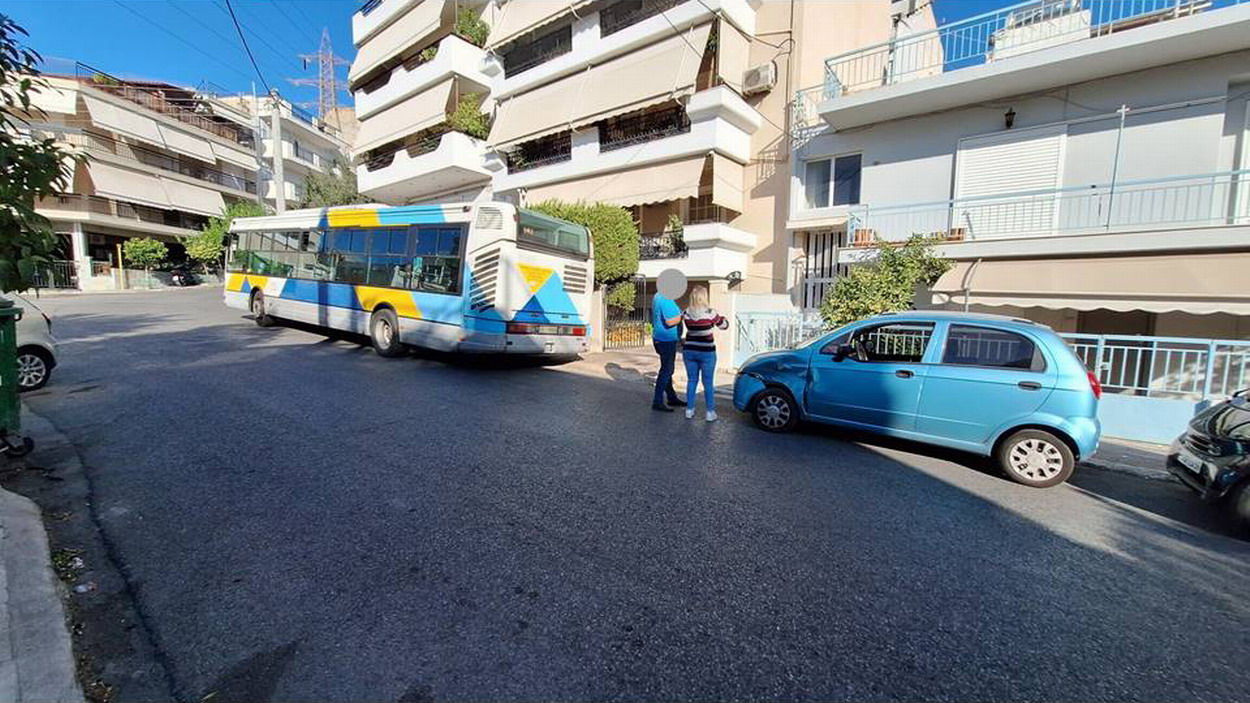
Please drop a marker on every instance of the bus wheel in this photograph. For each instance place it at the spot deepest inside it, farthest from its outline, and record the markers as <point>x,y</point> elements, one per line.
<point>263,319</point>
<point>384,331</point>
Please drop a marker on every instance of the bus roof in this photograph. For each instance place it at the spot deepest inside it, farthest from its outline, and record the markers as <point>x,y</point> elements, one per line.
<point>372,215</point>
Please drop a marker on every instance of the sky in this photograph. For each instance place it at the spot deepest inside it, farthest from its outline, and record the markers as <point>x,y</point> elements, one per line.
<point>186,42</point>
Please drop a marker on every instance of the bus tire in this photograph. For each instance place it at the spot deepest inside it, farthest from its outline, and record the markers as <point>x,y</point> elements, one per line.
<point>263,319</point>
<point>384,333</point>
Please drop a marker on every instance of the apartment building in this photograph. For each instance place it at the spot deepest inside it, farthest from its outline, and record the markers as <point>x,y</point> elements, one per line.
<point>674,109</point>
<point>291,142</point>
<point>1085,163</point>
<point>158,167</point>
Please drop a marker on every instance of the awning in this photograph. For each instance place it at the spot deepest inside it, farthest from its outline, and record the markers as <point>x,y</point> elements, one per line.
<point>1192,283</point>
<point>418,24</point>
<point>659,72</point>
<point>421,111</point>
<point>238,157</point>
<point>132,186</point>
<point>184,143</point>
<point>123,121</point>
<point>636,186</point>
<point>193,198</point>
<point>520,16</point>
<point>727,180</point>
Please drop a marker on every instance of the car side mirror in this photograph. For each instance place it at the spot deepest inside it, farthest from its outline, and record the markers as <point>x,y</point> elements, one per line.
<point>843,351</point>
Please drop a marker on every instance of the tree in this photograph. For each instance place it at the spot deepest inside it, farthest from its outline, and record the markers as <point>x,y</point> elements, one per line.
<point>331,188</point>
<point>207,246</point>
<point>613,232</point>
<point>886,285</point>
<point>29,168</point>
<point>145,253</point>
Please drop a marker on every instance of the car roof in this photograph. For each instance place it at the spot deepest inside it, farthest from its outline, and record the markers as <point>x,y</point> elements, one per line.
<point>955,315</point>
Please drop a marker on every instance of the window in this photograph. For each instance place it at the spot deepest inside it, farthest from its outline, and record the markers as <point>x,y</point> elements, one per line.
<point>549,232</point>
<point>816,183</point>
<point>898,342</point>
<point>982,346</point>
<point>838,178</point>
<point>531,51</point>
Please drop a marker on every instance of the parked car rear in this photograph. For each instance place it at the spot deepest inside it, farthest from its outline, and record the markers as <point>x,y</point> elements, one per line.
<point>998,386</point>
<point>1212,457</point>
<point>36,347</point>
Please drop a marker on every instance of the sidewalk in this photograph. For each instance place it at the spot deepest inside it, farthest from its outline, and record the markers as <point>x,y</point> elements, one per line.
<point>36,657</point>
<point>639,366</point>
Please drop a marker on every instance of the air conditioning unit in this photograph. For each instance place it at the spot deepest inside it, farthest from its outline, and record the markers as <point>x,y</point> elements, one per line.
<point>759,79</point>
<point>903,8</point>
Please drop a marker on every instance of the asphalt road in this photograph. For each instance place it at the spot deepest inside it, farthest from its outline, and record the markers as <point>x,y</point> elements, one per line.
<point>300,519</point>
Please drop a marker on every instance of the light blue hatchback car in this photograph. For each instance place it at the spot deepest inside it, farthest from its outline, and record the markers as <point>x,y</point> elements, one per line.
<point>998,386</point>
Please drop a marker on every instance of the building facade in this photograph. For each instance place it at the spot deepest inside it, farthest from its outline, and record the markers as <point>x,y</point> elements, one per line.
<point>675,110</point>
<point>1085,165</point>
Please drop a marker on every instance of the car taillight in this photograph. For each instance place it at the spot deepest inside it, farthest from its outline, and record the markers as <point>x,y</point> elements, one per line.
<point>1094,385</point>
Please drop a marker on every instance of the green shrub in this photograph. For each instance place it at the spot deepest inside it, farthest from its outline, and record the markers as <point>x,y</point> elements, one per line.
<point>470,27</point>
<point>145,253</point>
<point>886,285</point>
<point>428,53</point>
<point>206,247</point>
<point>612,230</point>
<point>468,118</point>
<point>621,295</point>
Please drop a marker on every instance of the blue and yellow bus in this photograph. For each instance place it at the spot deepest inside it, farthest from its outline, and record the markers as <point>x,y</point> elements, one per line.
<point>469,277</point>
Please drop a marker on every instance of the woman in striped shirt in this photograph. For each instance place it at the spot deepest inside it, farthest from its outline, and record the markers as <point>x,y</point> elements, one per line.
<point>699,350</point>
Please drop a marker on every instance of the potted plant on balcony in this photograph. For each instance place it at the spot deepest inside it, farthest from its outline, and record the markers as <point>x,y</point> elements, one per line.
<point>676,232</point>
<point>470,27</point>
<point>468,118</point>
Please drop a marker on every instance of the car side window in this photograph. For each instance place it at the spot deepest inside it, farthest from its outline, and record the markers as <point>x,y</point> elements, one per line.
<point>968,345</point>
<point>831,347</point>
<point>896,342</point>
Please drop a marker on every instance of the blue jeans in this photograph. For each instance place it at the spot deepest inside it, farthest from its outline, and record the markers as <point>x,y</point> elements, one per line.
<point>700,363</point>
<point>664,379</point>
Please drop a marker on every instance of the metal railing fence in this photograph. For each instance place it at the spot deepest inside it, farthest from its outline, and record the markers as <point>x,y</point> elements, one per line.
<point>1191,200</point>
<point>996,35</point>
<point>662,245</point>
<point>56,274</point>
<point>1170,367</point>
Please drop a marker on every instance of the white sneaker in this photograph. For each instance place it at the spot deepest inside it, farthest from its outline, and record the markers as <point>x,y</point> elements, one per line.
<point>711,416</point>
<point>689,413</point>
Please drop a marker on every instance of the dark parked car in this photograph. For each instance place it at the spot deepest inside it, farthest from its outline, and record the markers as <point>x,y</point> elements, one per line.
<point>1213,457</point>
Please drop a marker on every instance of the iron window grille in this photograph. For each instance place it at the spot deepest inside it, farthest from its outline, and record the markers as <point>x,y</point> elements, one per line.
<point>643,126</point>
<point>540,152</point>
<point>626,13</point>
<point>526,53</point>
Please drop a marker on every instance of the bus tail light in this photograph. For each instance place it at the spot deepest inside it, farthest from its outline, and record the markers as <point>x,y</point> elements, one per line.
<point>533,328</point>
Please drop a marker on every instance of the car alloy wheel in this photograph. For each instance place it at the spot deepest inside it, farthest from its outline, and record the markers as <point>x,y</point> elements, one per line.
<point>774,411</point>
<point>1035,459</point>
<point>32,371</point>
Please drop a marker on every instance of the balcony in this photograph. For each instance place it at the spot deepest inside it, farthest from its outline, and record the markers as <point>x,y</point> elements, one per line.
<point>642,127</point>
<point>552,149</point>
<point>159,220</point>
<point>1210,209</point>
<point>1024,48</point>
<point>373,15</point>
<point>454,56</point>
<point>436,164</point>
<point>100,145</point>
<point>711,250</point>
<point>719,121</point>
<point>662,245</point>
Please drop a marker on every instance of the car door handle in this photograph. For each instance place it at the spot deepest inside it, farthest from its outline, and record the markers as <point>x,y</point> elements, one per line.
<point>1030,385</point>
<point>904,373</point>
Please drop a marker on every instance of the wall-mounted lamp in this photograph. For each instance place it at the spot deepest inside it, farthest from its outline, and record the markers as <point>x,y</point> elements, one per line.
<point>734,278</point>
<point>1009,117</point>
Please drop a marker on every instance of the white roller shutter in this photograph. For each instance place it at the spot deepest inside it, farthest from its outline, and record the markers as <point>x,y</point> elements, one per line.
<point>1009,164</point>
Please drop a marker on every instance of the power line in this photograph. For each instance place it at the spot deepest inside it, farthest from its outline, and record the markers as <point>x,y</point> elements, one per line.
<point>291,21</point>
<point>164,29</point>
<point>269,30</point>
<point>248,49</point>
<point>300,11</point>
<point>203,24</point>
<point>282,55</point>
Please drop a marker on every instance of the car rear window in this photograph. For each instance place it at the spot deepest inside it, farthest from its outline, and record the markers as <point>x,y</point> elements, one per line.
<point>967,345</point>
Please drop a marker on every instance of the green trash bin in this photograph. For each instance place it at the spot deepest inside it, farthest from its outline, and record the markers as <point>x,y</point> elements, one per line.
<point>11,442</point>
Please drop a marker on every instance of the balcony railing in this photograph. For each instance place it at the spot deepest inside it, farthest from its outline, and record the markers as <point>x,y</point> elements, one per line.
<point>174,102</point>
<point>1209,200</point>
<point>626,13</point>
<point>544,151</point>
<point>997,35</point>
<point>525,55</point>
<point>661,245</point>
<point>303,154</point>
<point>418,146</point>
<point>122,209</point>
<point>98,143</point>
<point>641,127</point>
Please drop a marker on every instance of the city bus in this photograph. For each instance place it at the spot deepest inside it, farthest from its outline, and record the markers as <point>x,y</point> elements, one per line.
<point>467,277</point>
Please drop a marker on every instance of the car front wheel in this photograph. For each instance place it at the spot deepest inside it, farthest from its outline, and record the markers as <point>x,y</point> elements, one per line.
<point>774,410</point>
<point>34,368</point>
<point>1036,458</point>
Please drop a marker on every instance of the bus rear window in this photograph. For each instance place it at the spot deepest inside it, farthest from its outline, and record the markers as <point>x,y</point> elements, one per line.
<point>551,232</point>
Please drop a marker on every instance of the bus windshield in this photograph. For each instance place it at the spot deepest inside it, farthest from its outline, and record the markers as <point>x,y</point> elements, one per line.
<point>547,231</point>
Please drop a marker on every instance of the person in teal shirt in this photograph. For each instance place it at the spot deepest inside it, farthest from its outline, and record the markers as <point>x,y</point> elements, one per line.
<point>665,331</point>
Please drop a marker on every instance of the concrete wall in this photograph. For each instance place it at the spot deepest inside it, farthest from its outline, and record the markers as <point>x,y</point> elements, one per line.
<point>913,160</point>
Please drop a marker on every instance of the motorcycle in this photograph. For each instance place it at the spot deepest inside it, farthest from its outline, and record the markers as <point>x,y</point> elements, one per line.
<point>183,276</point>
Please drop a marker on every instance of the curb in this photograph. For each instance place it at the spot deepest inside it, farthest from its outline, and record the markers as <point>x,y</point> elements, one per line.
<point>37,656</point>
<point>1130,469</point>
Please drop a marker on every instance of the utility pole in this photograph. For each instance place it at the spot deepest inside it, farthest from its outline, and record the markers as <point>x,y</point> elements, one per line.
<point>275,137</point>
<point>326,81</point>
